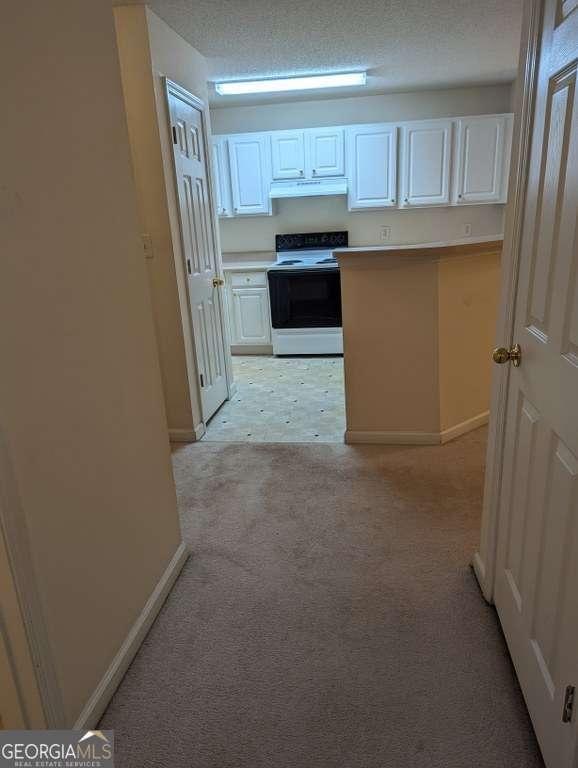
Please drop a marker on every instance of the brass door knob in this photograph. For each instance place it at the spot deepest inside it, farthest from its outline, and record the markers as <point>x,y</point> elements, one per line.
<point>502,355</point>
<point>217,281</point>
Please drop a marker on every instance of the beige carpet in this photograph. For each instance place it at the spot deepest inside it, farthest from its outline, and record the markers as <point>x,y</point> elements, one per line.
<point>327,618</point>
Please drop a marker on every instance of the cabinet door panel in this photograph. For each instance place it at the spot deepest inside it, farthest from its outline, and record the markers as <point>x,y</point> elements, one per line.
<point>222,178</point>
<point>481,146</point>
<point>288,154</point>
<point>426,163</point>
<point>251,316</point>
<point>326,152</point>
<point>371,157</point>
<point>250,174</point>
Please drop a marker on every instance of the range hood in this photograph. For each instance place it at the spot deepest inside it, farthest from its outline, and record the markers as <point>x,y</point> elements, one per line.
<point>308,188</point>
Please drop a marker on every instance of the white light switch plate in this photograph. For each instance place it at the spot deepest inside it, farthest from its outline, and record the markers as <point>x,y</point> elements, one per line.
<point>385,234</point>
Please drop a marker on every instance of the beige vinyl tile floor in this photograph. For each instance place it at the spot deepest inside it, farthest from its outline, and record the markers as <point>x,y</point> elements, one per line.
<point>283,400</point>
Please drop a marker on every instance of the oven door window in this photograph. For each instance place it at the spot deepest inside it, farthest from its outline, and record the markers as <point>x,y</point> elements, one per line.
<point>305,298</point>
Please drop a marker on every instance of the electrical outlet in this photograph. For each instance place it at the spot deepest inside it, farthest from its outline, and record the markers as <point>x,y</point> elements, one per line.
<point>467,230</point>
<point>385,234</point>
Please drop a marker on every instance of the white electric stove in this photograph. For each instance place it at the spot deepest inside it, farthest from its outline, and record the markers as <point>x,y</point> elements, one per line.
<point>305,294</point>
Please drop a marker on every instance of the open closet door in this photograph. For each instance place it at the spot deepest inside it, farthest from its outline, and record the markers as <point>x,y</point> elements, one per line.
<point>199,245</point>
<point>537,555</point>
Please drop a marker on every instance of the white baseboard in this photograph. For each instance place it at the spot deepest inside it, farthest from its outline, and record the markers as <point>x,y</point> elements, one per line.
<point>353,437</point>
<point>480,573</point>
<point>187,435</point>
<point>371,437</point>
<point>465,426</point>
<point>104,691</point>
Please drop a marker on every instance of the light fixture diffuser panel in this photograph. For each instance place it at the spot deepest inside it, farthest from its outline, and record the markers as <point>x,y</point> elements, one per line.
<point>309,82</point>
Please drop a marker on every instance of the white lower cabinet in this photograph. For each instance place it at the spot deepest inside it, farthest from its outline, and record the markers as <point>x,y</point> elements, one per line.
<point>249,313</point>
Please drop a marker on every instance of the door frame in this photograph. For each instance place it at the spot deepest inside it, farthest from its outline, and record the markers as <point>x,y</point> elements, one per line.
<point>484,560</point>
<point>23,626</point>
<point>174,89</point>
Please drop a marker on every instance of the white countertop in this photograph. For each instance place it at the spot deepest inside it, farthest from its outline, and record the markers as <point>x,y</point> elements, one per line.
<point>247,266</point>
<point>464,241</point>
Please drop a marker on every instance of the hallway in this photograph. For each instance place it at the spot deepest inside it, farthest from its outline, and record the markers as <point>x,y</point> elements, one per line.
<point>327,618</point>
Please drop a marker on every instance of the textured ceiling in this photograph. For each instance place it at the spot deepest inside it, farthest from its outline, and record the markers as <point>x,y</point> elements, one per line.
<point>403,44</point>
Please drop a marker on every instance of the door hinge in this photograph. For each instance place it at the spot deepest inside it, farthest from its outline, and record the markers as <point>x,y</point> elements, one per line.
<point>175,140</point>
<point>568,708</point>
<point>189,270</point>
<point>202,379</point>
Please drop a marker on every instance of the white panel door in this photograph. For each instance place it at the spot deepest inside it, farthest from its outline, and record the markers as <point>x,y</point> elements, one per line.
<point>426,163</point>
<point>326,152</point>
<point>222,177</point>
<point>371,161</point>
<point>200,252</point>
<point>251,316</point>
<point>537,558</point>
<point>288,154</point>
<point>481,155</point>
<point>250,161</point>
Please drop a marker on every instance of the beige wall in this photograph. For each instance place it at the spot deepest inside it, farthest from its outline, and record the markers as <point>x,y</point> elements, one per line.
<point>326,213</point>
<point>363,109</point>
<point>150,50</point>
<point>390,344</point>
<point>469,289</point>
<point>418,330</point>
<point>257,233</point>
<point>81,400</point>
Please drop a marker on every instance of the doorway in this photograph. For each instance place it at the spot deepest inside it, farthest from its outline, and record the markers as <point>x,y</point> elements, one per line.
<point>199,244</point>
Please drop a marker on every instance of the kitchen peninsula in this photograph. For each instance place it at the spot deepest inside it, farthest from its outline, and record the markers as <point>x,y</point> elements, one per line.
<point>418,329</point>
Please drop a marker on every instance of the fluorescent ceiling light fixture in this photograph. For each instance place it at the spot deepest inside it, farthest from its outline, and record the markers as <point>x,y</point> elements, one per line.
<point>291,84</point>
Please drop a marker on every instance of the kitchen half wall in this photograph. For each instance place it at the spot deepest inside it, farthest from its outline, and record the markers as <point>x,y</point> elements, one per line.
<point>330,213</point>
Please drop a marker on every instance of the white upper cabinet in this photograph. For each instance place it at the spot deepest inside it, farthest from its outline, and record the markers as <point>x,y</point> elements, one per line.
<point>288,154</point>
<point>441,162</point>
<point>326,152</point>
<point>222,177</point>
<point>482,159</point>
<point>250,160</point>
<point>371,166</point>
<point>426,148</point>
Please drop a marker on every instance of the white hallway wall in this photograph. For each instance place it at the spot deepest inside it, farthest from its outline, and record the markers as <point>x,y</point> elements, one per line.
<point>258,233</point>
